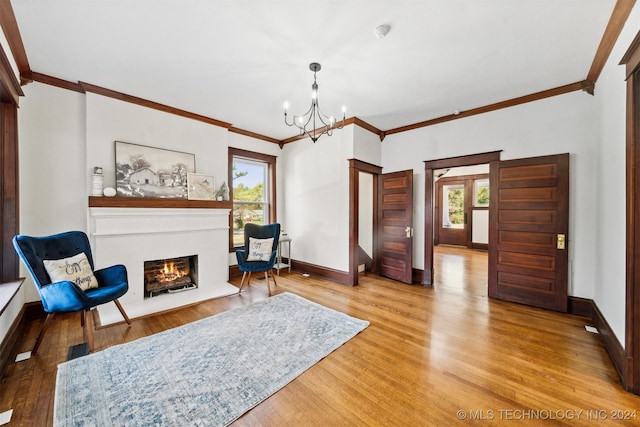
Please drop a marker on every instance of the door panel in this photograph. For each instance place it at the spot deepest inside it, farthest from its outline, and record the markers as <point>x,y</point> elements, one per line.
<point>395,195</point>
<point>529,209</point>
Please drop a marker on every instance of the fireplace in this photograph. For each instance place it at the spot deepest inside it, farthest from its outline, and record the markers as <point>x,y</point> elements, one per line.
<point>131,236</point>
<point>170,275</point>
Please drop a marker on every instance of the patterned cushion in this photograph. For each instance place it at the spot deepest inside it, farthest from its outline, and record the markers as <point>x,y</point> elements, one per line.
<point>260,249</point>
<point>75,269</point>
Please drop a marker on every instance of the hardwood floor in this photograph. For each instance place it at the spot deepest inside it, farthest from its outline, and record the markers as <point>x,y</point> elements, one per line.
<point>431,356</point>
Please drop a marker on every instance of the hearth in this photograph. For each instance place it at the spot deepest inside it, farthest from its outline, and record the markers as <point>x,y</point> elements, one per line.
<point>170,275</point>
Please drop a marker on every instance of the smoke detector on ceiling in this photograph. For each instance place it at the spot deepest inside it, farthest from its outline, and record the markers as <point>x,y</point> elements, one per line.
<point>382,30</point>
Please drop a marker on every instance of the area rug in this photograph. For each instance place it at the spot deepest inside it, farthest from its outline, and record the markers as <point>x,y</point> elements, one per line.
<point>205,373</point>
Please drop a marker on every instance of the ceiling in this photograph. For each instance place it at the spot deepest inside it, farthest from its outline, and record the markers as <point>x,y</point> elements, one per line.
<point>238,61</point>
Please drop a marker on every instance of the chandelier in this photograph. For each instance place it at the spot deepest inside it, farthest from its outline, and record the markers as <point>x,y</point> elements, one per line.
<point>314,123</point>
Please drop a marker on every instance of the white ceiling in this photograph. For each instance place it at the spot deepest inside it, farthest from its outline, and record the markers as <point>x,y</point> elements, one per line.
<point>238,60</point>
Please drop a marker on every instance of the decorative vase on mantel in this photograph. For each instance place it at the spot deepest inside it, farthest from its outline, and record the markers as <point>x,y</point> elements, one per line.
<point>97,182</point>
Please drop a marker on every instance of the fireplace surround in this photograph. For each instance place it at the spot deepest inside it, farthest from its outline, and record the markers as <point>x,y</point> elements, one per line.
<point>131,236</point>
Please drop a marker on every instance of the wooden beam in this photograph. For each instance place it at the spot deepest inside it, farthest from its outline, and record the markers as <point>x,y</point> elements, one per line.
<point>54,81</point>
<point>582,85</point>
<point>12,33</point>
<point>253,135</point>
<point>619,16</point>
<point>151,104</point>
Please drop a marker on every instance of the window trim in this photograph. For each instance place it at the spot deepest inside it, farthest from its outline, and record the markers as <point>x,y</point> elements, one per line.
<point>271,178</point>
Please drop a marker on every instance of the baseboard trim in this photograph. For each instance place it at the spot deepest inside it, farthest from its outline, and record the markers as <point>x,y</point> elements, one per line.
<point>417,276</point>
<point>234,271</point>
<point>581,307</point>
<point>611,344</point>
<point>338,276</point>
<point>588,308</point>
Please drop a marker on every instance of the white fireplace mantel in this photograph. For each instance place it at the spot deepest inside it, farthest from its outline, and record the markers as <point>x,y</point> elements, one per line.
<point>130,236</point>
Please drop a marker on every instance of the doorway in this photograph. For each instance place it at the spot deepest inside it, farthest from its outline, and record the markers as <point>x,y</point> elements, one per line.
<point>528,227</point>
<point>461,207</point>
<point>433,168</point>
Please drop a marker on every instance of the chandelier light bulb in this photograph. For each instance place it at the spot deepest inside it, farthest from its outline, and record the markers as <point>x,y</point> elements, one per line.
<point>286,106</point>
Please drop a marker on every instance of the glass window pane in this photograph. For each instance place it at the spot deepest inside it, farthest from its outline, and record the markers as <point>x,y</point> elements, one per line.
<point>250,195</point>
<point>453,206</point>
<point>481,192</point>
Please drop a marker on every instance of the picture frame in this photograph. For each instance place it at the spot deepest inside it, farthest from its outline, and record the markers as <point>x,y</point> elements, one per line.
<point>144,171</point>
<point>201,187</point>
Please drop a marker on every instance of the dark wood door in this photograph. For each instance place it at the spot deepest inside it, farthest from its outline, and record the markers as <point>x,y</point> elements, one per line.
<point>451,212</point>
<point>528,225</point>
<point>395,218</point>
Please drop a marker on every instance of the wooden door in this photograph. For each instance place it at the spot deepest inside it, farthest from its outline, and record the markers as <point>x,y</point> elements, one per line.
<point>451,212</point>
<point>528,231</point>
<point>395,219</point>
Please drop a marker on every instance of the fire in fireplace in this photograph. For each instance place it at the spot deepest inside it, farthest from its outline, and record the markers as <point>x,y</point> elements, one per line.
<point>170,275</point>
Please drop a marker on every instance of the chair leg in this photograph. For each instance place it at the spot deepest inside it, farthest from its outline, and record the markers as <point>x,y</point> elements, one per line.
<point>45,325</point>
<point>126,318</point>
<point>248,276</point>
<point>88,328</point>
<point>274,277</point>
<point>266,277</point>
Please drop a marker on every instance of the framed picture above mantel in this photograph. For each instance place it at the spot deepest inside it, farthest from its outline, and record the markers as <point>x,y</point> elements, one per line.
<point>143,171</point>
<point>149,202</point>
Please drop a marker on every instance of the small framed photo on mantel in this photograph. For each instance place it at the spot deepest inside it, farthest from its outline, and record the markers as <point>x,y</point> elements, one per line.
<point>200,187</point>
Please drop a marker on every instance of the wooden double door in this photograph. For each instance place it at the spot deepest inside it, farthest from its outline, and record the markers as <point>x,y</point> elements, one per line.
<point>528,227</point>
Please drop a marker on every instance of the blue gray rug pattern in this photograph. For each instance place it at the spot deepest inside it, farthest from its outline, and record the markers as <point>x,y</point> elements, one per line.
<point>206,373</point>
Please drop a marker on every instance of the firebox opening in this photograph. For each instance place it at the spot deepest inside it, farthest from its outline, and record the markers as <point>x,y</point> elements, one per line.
<point>170,275</point>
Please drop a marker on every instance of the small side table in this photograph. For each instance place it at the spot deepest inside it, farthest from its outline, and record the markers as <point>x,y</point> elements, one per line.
<point>279,263</point>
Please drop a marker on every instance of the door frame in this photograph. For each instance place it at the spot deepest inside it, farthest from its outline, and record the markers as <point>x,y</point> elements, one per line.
<point>355,167</point>
<point>429,167</point>
<point>628,358</point>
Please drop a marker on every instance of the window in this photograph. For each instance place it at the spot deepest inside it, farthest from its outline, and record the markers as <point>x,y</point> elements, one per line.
<point>453,206</point>
<point>252,178</point>
<point>481,193</point>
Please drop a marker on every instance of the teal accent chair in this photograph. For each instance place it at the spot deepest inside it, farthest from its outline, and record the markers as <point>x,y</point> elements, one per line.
<point>66,296</point>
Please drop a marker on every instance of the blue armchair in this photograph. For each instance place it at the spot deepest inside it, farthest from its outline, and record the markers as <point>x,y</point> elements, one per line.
<point>257,258</point>
<point>66,296</point>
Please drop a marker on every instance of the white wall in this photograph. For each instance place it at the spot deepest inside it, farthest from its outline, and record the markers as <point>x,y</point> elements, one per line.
<point>566,123</point>
<point>316,189</point>
<point>110,120</point>
<point>52,152</point>
<point>610,187</point>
